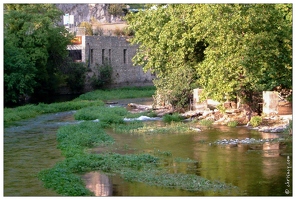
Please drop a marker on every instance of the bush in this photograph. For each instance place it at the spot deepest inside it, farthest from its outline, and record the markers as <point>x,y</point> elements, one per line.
<point>118,32</point>
<point>128,32</point>
<point>176,88</point>
<point>104,75</point>
<point>206,122</point>
<point>221,108</point>
<point>256,121</point>
<point>232,123</point>
<point>88,27</point>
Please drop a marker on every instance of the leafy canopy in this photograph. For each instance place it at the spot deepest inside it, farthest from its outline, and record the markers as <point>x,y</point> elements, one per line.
<point>227,49</point>
<point>34,47</point>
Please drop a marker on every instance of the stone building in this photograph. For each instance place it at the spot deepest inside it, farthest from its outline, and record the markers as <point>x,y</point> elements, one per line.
<point>118,52</point>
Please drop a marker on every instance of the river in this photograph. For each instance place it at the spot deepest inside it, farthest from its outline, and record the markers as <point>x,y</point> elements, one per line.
<point>257,170</point>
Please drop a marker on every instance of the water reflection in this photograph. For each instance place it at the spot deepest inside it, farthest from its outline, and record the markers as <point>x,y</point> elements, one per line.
<point>99,184</point>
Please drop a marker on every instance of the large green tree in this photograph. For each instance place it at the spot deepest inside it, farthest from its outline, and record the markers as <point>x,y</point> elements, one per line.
<point>232,49</point>
<point>34,48</point>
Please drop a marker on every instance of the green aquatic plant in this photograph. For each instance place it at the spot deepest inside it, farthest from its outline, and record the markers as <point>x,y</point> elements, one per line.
<point>73,139</point>
<point>189,182</point>
<point>175,117</point>
<point>105,115</point>
<point>173,127</point>
<point>129,127</point>
<point>30,110</point>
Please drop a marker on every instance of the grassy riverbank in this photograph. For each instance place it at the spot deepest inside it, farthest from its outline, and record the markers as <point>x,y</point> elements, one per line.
<point>75,142</point>
<point>94,98</point>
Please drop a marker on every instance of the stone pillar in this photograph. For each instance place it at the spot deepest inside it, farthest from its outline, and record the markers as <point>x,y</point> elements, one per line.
<point>270,102</point>
<point>197,105</point>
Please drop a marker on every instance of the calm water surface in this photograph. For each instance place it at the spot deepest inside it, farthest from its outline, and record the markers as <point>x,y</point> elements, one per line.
<point>258,170</point>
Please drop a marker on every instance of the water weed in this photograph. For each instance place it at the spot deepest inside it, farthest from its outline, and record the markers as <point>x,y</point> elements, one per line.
<point>173,127</point>
<point>130,127</point>
<point>189,182</point>
<point>172,118</point>
<point>73,139</point>
<point>105,115</point>
<point>30,111</point>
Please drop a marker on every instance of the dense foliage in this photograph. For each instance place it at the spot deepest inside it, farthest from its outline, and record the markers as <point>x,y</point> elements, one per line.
<point>34,48</point>
<point>230,50</point>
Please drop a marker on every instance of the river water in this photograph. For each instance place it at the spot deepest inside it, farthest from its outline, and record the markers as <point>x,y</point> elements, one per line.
<point>258,170</point>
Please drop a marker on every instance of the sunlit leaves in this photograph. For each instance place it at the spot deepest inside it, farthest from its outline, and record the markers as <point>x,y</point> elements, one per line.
<point>232,47</point>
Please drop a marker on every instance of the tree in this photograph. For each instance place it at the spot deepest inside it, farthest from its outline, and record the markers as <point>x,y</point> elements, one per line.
<point>234,49</point>
<point>34,48</point>
<point>88,28</point>
<point>116,9</point>
<point>167,47</point>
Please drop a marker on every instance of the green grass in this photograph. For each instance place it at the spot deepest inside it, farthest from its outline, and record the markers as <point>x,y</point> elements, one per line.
<point>73,139</point>
<point>106,115</point>
<point>122,93</point>
<point>30,111</point>
<point>94,98</point>
<point>206,122</point>
<point>172,118</point>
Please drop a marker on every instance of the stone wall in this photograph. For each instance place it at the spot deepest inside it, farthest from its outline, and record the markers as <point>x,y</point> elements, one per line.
<point>119,53</point>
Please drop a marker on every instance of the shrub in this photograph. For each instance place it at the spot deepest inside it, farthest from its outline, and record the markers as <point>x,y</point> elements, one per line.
<point>206,122</point>
<point>75,77</point>
<point>128,32</point>
<point>232,123</point>
<point>256,121</point>
<point>104,75</point>
<point>221,108</point>
<point>88,27</point>
<point>118,32</point>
